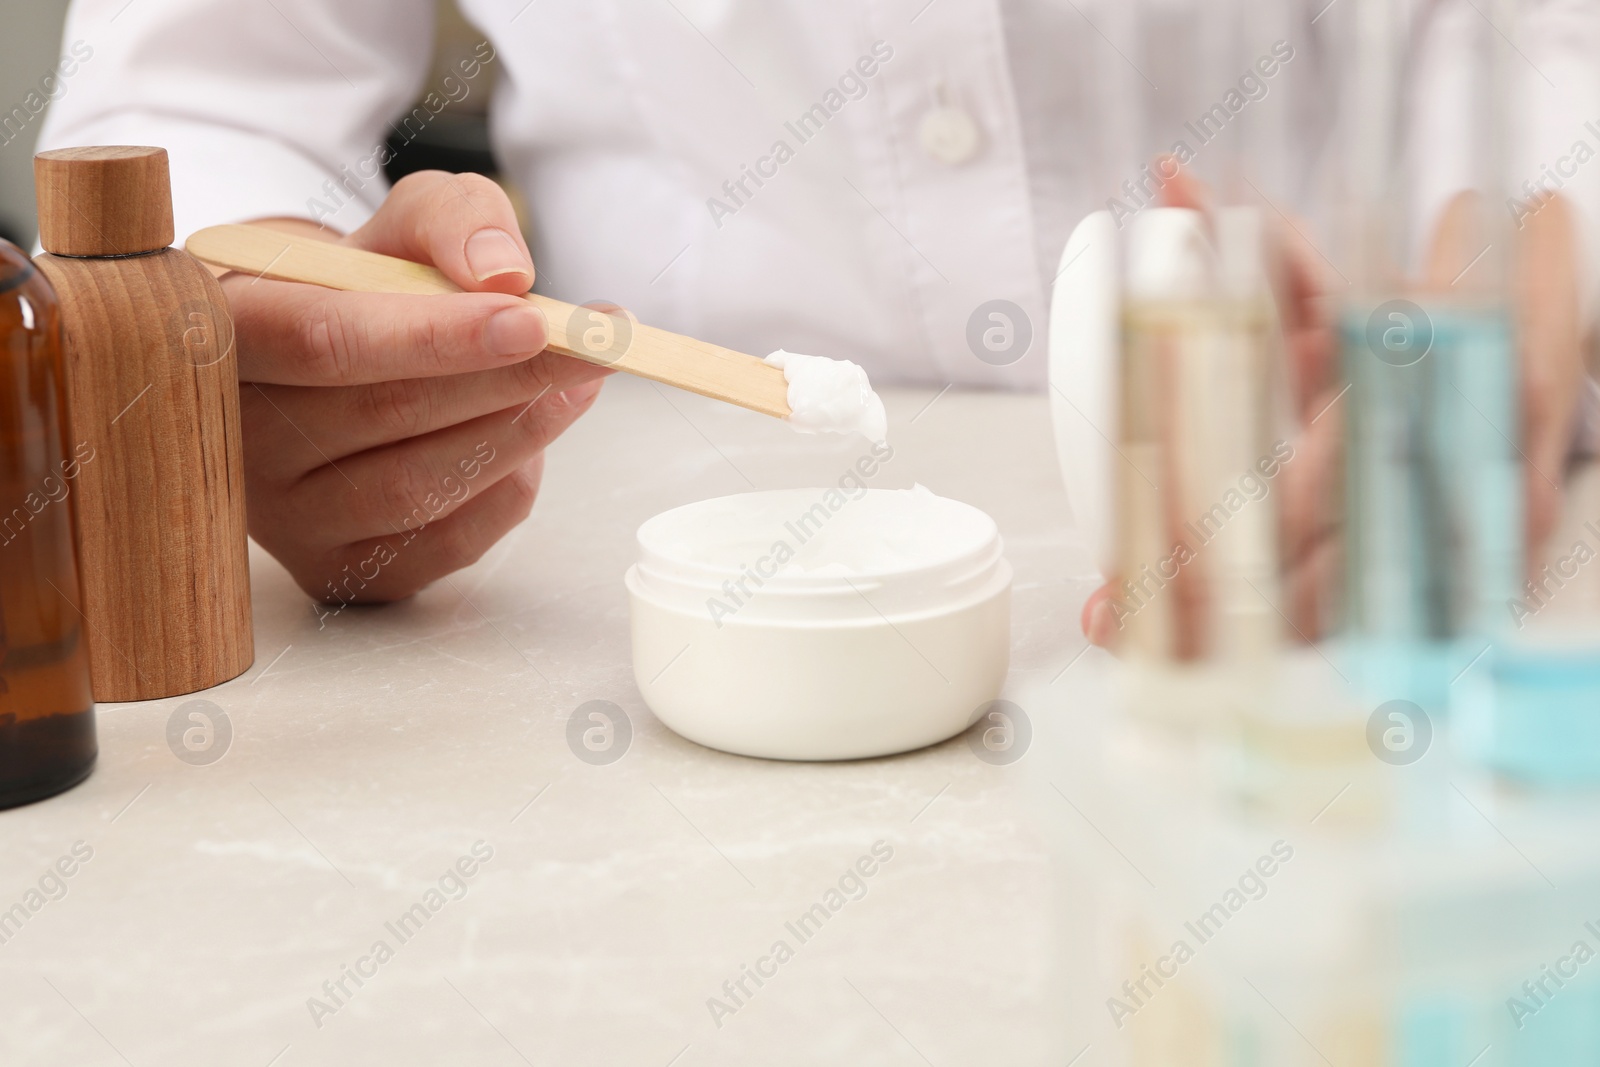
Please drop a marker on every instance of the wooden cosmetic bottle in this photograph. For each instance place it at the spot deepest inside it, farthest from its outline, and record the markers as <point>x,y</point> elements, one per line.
<point>152,385</point>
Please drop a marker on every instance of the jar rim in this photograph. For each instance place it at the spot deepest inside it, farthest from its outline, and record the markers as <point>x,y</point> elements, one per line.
<point>930,553</point>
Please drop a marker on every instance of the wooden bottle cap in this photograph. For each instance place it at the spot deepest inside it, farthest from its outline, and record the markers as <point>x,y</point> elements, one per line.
<point>112,200</point>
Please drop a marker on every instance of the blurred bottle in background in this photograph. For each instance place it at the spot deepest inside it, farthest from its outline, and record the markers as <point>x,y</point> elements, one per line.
<point>1196,538</point>
<point>1433,475</point>
<point>1199,405</point>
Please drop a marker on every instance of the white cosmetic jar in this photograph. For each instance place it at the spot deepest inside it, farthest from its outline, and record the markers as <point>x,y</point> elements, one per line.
<point>820,624</point>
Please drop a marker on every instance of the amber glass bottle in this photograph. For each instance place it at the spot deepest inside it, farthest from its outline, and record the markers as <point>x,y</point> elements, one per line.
<point>47,738</point>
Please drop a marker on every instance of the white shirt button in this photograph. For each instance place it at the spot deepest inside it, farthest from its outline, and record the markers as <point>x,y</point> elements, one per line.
<point>949,135</point>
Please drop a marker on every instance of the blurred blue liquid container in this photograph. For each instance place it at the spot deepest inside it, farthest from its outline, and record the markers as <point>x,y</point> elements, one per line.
<point>1433,496</point>
<point>1433,475</point>
<point>1538,722</point>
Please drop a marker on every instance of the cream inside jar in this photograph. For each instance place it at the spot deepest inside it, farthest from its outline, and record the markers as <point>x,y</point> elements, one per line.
<point>820,623</point>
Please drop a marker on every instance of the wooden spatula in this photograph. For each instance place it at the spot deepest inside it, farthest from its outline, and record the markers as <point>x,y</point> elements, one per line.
<point>610,340</point>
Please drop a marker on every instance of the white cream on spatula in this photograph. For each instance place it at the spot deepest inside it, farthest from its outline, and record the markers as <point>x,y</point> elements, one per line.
<point>830,396</point>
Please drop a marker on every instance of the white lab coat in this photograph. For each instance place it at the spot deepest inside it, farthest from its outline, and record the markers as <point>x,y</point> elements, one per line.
<point>950,145</point>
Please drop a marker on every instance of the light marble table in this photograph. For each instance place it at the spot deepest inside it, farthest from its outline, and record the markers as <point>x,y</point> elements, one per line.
<point>370,754</point>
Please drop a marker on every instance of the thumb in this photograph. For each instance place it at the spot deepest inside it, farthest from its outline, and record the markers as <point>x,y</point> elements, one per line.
<point>1099,618</point>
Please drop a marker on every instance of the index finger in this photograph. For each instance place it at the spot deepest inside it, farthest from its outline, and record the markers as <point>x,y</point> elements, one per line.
<point>461,223</point>
<point>294,334</point>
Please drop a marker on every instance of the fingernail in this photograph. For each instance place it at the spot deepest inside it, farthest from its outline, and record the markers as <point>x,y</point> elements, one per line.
<point>1102,625</point>
<point>492,252</point>
<point>1099,620</point>
<point>515,331</point>
<point>580,395</point>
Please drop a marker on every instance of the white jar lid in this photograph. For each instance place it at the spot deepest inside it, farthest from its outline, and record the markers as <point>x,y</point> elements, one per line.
<point>818,556</point>
<point>1169,255</point>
